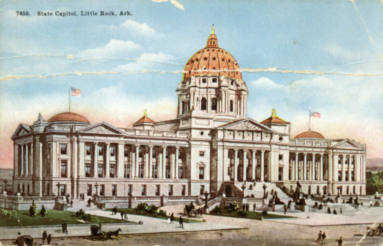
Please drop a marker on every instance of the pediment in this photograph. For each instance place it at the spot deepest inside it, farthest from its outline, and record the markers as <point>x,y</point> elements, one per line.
<point>102,128</point>
<point>21,130</point>
<point>346,144</point>
<point>246,124</point>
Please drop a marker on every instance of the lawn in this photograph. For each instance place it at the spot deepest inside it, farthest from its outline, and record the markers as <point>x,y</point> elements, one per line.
<point>151,211</point>
<point>245,214</point>
<point>52,217</point>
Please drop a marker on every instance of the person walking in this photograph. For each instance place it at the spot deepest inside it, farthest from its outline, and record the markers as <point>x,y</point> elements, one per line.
<point>323,237</point>
<point>45,235</point>
<point>122,215</point>
<point>340,241</point>
<point>319,239</point>
<point>181,222</point>
<point>49,239</point>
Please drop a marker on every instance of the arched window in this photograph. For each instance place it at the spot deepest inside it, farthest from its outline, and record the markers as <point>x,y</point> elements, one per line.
<point>214,104</point>
<point>231,106</point>
<point>203,103</point>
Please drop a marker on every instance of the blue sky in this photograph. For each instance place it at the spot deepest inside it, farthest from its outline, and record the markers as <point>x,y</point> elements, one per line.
<point>320,55</point>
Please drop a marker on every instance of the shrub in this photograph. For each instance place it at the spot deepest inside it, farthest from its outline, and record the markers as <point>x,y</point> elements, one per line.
<point>216,210</point>
<point>162,213</point>
<point>43,211</point>
<point>141,206</point>
<point>32,210</point>
<point>376,204</point>
<point>241,213</point>
<point>264,212</point>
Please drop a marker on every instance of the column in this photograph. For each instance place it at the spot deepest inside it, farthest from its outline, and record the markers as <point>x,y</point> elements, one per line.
<point>16,160</point>
<point>321,167</point>
<point>304,166</point>
<point>160,164</point>
<point>330,167</point>
<point>343,167</point>
<point>120,161</point>
<point>177,154</point>
<point>235,165</point>
<point>314,167</point>
<point>150,161</point>
<point>132,160</point>
<point>107,161</point>
<point>22,160</point>
<point>26,160</point>
<point>226,160</point>
<point>349,167</point>
<point>296,175</point>
<point>164,162</point>
<point>137,158</point>
<point>95,157</point>
<point>146,162</point>
<point>244,166</point>
<point>172,164</point>
<point>335,169</point>
<point>262,165</point>
<point>253,165</point>
<point>54,159</point>
<point>357,168</point>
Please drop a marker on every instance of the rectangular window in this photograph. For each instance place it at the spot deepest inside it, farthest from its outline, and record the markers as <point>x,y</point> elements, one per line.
<point>88,169</point>
<point>127,171</point>
<point>202,190</point>
<point>100,170</point>
<point>64,165</point>
<point>155,171</point>
<point>183,190</point>
<point>100,150</point>
<point>281,157</point>
<point>89,190</point>
<point>130,189</point>
<point>112,150</point>
<point>170,190</point>
<point>141,171</point>
<point>114,190</point>
<point>143,190</point>
<point>126,151</point>
<point>201,173</point>
<point>63,149</point>
<point>102,190</point>
<point>203,80</point>
<point>202,153</point>
<point>88,149</point>
<point>158,190</point>
<point>112,170</point>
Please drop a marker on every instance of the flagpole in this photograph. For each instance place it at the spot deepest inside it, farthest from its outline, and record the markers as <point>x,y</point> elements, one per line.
<point>69,101</point>
<point>309,120</point>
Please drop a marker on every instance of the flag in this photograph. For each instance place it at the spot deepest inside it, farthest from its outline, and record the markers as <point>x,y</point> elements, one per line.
<point>75,92</point>
<point>315,114</point>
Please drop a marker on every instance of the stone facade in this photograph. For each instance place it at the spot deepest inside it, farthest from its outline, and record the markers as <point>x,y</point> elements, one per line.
<point>210,143</point>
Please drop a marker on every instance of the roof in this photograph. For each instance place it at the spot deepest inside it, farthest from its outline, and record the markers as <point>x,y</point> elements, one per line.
<point>68,117</point>
<point>212,60</point>
<point>309,134</point>
<point>274,119</point>
<point>144,120</point>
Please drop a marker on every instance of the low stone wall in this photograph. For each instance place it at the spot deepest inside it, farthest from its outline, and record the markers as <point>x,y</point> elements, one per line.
<point>23,203</point>
<point>134,201</point>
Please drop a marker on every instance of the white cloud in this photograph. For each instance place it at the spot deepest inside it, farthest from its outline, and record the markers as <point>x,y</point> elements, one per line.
<point>148,61</point>
<point>175,3</point>
<point>266,83</point>
<point>138,28</point>
<point>115,48</point>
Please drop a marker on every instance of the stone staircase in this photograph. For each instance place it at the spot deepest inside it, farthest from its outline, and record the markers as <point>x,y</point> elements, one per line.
<point>78,204</point>
<point>257,190</point>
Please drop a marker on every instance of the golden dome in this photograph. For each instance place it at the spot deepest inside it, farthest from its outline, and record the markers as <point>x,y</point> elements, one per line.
<point>213,61</point>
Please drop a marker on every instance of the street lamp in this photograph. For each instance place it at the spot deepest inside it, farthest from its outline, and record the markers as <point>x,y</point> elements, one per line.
<point>264,193</point>
<point>206,194</point>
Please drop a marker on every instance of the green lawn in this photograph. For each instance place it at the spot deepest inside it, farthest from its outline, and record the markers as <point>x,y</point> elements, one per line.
<point>152,214</point>
<point>244,214</point>
<point>53,217</point>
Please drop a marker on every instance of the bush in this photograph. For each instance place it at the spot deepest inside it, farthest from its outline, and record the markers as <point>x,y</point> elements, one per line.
<point>241,213</point>
<point>162,213</point>
<point>216,210</point>
<point>43,211</point>
<point>264,212</point>
<point>376,204</point>
<point>141,207</point>
<point>32,210</point>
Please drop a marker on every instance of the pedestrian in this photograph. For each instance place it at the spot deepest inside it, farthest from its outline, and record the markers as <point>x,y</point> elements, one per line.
<point>44,236</point>
<point>284,209</point>
<point>49,239</point>
<point>254,206</point>
<point>340,241</point>
<point>122,215</point>
<point>114,210</point>
<point>341,211</point>
<point>172,218</point>
<point>181,222</point>
<point>126,215</point>
<point>64,227</point>
<point>319,236</point>
<point>323,237</point>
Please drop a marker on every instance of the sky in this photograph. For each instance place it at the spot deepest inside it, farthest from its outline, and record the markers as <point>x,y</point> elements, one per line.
<point>295,56</point>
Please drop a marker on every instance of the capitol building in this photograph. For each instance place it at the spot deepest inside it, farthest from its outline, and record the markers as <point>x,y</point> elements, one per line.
<point>211,146</point>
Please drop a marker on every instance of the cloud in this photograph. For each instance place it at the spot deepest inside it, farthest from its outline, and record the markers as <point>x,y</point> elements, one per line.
<point>114,48</point>
<point>148,61</point>
<point>139,28</point>
<point>175,3</point>
<point>266,83</point>
<point>43,76</point>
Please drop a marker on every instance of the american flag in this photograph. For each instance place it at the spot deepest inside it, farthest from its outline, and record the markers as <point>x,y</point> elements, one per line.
<point>75,92</point>
<point>315,114</point>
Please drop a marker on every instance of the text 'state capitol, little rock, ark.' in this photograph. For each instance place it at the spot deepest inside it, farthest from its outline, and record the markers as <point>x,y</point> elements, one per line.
<point>210,147</point>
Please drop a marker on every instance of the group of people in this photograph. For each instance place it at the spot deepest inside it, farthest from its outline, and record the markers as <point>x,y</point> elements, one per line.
<point>47,237</point>
<point>321,237</point>
<point>181,220</point>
